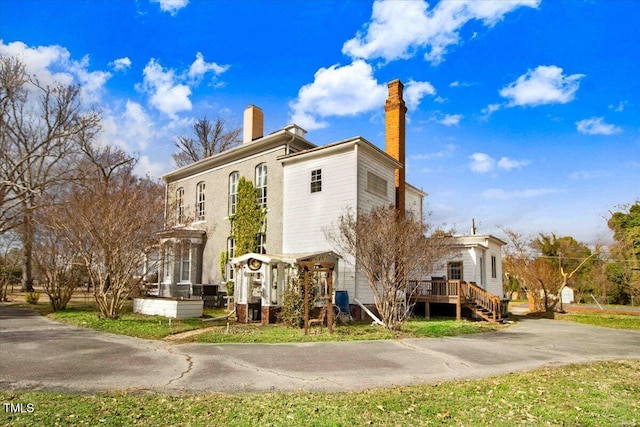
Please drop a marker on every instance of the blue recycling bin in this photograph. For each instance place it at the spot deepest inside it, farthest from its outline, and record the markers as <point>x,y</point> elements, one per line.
<point>342,301</point>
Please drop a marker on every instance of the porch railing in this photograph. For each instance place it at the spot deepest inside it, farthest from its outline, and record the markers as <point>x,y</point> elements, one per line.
<point>481,301</point>
<point>434,288</point>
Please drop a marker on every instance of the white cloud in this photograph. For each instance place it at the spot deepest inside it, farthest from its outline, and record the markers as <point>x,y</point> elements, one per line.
<point>447,151</point>
<point>121,64</point>
<point>337,91</point>
<point>582,174</point>
<point>415,91</point>
<point>131,130</point>
<point>450,119</point>
<point>544,85</point>
<point>500,194</point>
<point>508,164</point>
<point>399,29</point>
<point>146,166</point>
<point>483,163</point>
<point>489,110</point>
<point>200,67</point>
<point>167,94</point>
<point>171,6</point>
<point>53,65</point>
<point>620,107</point>
<point>597,126</point>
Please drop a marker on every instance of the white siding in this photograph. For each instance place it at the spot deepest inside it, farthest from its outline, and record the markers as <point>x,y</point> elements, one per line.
<point>413,202</point>
<point>307,215</point>
<point>366,199</point>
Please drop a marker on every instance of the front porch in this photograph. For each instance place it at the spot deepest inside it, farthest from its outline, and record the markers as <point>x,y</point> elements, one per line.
<point>463,295</point>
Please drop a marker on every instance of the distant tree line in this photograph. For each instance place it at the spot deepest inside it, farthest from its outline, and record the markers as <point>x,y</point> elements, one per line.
<point>542,266</point>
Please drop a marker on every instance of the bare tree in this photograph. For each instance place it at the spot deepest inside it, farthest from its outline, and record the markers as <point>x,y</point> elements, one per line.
<point>110,219</point>
<point>10,271</point>
<point>543,279</point>
<point>56,258</point>
<point>389,250</point>
<point>41,126</point>
<point>211,138</point>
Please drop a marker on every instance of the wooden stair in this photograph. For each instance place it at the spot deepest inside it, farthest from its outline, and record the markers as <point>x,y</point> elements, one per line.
<point>482,303</point>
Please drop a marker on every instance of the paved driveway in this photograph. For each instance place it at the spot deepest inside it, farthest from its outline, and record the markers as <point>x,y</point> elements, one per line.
<point>39,354</point>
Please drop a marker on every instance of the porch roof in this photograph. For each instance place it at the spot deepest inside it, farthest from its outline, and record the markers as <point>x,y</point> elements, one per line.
<point>286,258</point>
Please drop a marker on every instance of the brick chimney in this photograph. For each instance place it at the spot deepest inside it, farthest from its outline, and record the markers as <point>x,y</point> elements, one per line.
<point>395,111</point>
<point>253,127</point>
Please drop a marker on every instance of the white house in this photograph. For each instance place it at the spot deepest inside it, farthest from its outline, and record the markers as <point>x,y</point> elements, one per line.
<point>304,189</point>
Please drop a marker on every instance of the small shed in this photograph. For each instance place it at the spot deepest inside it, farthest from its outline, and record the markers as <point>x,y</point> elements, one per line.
<point>567,295</point>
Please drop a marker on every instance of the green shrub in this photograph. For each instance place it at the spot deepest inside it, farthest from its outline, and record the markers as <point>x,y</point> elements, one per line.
<point>292,313</point>
<point>32,297</point>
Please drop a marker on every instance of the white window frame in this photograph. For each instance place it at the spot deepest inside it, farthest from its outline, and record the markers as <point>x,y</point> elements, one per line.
<point>261,184</point>
<point>231,253</point>
<point>234,178</point>
<point>316,181</point>
<point>494,267</point>
<point>200,201</point>
<point>185,264</point>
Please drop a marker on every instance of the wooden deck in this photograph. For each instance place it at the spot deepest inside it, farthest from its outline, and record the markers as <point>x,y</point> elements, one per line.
<point>460,293</point>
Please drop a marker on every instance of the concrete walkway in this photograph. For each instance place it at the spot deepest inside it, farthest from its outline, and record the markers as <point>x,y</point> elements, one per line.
<point>39,354</point>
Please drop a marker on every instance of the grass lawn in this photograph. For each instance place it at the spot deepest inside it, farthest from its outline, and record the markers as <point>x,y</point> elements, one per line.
<point>598,394</point>
<point>617,321</point>
<point>155,327</point>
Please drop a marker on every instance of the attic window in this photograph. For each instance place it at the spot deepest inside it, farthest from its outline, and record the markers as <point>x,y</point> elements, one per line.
<point>316,180</point>
<point>376,184</point>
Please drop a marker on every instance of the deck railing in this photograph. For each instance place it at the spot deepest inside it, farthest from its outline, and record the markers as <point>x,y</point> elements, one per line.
<point>463,292</point>
<point>434,288</point>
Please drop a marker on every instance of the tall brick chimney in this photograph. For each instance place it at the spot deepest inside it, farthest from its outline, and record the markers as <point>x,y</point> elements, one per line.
<point>395,111</point>
<point>253,126</point>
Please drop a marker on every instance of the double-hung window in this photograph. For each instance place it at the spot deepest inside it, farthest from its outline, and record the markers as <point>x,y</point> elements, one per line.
<point>185,264</point>
<point>200,201</point>
<point>316,181</point>
<point>234,177</point>
<point>261,184</point>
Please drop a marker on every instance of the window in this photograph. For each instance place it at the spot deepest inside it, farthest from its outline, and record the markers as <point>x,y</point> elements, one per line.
<point>494,267</point>
<point>261,240</point>
<point>261,184</point>
<point>316,180</point>
<point>454,270</point>
<point>180,205</point>
<point>376,184</point>
<point>481,261</point>
<point>167,264</point>
<point>233,192</point>
<point>231,253</point>
<point>200,201</point>
<point>185,264</point>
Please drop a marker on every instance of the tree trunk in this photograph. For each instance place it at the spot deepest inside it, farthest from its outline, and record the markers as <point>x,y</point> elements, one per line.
<point>27,246</point>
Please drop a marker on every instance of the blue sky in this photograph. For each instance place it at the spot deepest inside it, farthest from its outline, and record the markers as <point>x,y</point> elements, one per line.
<point>522,114</point>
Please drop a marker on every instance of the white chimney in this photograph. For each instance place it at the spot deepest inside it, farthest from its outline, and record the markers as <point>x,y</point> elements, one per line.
<point>253,124</point>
